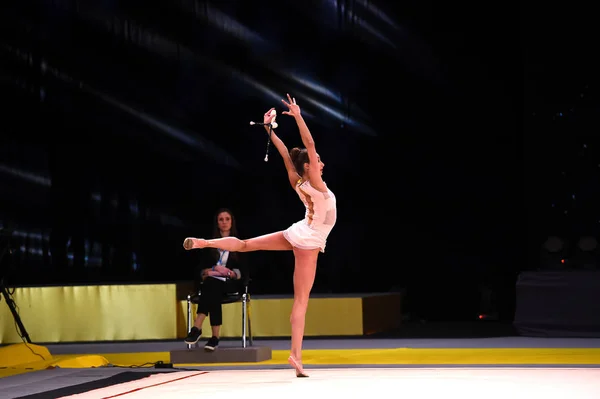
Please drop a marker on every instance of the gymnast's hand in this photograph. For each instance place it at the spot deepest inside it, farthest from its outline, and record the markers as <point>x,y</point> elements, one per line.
<point>268,118</point>
<point>293,108</point>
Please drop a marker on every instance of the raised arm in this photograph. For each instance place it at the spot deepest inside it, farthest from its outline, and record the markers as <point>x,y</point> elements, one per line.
<point>314,168</point>
<point>283,151</point>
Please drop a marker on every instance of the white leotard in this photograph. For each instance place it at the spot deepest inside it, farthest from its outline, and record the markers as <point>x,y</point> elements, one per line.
<point>319,218</point>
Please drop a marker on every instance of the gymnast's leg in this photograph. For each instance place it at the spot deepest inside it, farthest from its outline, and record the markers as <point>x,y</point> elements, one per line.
<point>305,269</point>
<point>268,242</point>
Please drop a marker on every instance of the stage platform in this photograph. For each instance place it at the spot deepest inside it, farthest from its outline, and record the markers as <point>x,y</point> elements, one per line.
<point>500,366</point>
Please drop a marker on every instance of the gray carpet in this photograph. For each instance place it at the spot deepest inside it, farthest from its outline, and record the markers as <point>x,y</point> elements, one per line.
<point>37,382</point>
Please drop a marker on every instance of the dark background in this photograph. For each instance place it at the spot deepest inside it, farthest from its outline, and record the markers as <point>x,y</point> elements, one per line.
<point>445,130</point>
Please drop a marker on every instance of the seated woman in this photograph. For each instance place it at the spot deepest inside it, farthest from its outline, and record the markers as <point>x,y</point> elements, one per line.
<point>220,272</point>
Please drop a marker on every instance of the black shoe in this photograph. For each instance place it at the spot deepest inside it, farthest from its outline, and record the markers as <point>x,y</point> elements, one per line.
<point>193,336</point>
<point>212,344</point>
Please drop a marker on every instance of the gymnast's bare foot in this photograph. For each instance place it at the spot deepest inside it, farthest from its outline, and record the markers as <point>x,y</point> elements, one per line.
<point>193,243</point>
<point>298,366</point>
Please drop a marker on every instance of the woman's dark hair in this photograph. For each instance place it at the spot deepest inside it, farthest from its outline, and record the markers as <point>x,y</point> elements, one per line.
<point>217,233</point>
<point>299,157</point>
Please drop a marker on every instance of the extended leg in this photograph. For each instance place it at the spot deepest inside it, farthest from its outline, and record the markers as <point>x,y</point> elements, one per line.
<point>268,242</point>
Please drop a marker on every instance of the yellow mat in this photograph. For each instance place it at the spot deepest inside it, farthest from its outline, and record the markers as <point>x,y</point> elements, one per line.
<point>13,355</point>
<point>24,357</point>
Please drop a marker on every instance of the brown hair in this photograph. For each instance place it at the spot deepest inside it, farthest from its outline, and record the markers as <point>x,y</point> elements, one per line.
<point>299,157</point>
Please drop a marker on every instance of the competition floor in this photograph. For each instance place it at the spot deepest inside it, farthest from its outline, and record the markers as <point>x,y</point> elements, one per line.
<point>408,367</point>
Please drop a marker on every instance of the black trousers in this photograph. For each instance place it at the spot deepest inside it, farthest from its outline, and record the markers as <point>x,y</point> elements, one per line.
<point>212,292</point>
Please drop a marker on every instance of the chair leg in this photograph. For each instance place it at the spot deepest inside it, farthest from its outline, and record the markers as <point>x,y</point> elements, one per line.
<point>189,317</point>
<point>249,318</point>
<point>244,320</point>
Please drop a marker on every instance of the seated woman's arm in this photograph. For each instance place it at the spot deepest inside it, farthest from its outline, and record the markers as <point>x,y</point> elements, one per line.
<point>205,267</point>
<point>234,269</point>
